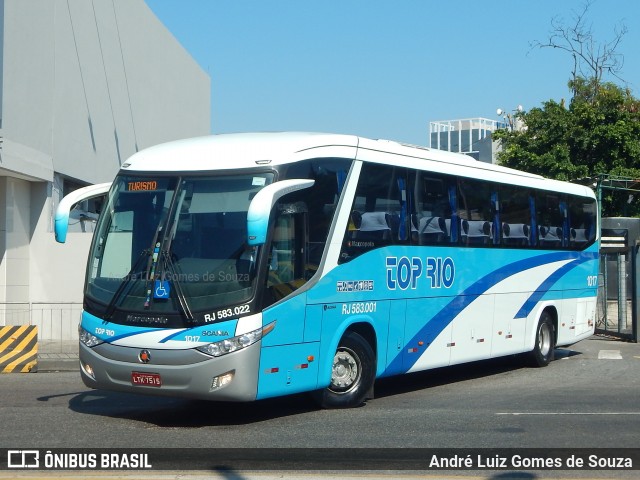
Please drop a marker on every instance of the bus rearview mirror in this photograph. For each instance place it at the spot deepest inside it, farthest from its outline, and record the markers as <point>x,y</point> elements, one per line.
<point>263,202</point>
<point>61,221</point>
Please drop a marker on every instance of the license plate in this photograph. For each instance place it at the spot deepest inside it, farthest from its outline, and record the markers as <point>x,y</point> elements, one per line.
<point>146,379</point>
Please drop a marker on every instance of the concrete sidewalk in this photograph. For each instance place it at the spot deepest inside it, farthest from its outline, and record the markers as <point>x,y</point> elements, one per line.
<point>58,356</point>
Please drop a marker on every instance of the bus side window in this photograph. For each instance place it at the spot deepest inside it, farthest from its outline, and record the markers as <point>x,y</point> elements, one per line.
<point>550,220</point>
<point>582,221</point>
<point>515,217</point>
<point>476,212</point>
<point>432,215</point>
<point>287,252</point>
<point>379,214</point>
<point>321,199</point>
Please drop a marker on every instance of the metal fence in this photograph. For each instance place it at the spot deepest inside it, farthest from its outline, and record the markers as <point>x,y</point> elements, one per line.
<point>55,321</point>
<point>617,298</point>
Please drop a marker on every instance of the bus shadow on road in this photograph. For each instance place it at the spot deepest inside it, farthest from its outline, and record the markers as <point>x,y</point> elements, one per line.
<point>437,377</point>
<point>178,412</point>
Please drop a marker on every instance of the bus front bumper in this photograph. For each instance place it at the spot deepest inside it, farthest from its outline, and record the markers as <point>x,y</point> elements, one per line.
<point>176,373</point>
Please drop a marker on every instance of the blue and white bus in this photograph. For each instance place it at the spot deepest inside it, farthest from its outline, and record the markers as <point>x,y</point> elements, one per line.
<point>246,266</point>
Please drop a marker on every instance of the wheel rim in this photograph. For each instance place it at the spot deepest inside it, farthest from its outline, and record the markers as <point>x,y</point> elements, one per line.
<point>346,371</point>
<point>544,339</point>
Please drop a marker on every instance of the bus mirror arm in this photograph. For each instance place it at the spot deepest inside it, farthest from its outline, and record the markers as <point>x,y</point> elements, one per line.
<point>64,207</point>
<point>263,202</point>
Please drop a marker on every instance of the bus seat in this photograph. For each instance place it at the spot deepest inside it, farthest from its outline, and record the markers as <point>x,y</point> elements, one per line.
<point>356,220</point>
<point>476,232</point>
<point>447,224</point>
<point>374,226</point>
<point>579,236</point>
<point>432,230</point>
<point>393,220</point>
<point>515,233</point>
<point>550,236</point>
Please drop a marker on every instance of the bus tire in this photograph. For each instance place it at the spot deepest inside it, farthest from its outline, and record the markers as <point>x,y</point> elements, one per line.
<point>352,374</point>
<point>543,350</point>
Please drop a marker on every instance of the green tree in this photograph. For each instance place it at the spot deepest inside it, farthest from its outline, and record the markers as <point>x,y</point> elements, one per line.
<point>598,133</point>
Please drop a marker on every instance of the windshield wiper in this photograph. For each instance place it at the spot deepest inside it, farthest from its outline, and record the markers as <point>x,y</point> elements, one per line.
<point>176,272</point>
<point>160,254</point>
<point>162,242</point>
<point>125,282</point>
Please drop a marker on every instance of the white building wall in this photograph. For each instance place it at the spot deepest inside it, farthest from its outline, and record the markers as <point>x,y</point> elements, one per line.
<point>14,266</point>
<point>56,270</point>
<point>84,85</point>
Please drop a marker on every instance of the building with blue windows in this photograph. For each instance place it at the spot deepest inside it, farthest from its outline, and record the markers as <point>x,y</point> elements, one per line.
<point>471,136</point>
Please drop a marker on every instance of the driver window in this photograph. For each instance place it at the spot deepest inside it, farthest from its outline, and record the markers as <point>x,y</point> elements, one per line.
<point>287,261</point>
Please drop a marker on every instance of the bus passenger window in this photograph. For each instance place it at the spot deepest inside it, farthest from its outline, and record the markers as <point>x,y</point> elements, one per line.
<point>550,220</point>
<point>379,214</point>
<point>582,221</point>
<point>321,199</point>
<point>515,216</point>
<point>476,212</point>
<point>431,222</point>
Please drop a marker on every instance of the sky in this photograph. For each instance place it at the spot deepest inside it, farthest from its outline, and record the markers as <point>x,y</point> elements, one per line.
<point>384,68</point>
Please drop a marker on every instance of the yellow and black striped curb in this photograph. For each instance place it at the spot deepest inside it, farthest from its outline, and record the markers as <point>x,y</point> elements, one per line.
<point>19,349</point>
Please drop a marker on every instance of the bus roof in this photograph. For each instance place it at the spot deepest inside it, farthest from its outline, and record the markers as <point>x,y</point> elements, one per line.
<point>234,150</point>
<point>248,150</point>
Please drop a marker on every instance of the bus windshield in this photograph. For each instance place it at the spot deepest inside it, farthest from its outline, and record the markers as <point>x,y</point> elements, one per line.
<point>171,246</point>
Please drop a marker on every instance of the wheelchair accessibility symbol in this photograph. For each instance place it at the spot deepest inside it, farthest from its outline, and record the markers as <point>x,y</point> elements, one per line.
<point>161,289</point>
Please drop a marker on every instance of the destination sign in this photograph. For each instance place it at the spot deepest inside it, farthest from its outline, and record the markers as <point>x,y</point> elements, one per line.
<point>142,186</point>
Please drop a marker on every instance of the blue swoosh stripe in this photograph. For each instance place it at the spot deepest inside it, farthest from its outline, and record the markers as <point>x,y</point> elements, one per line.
<point>546,285</point>
<point>166,339</point>
<point>445,316</point>
<point>132,334</point>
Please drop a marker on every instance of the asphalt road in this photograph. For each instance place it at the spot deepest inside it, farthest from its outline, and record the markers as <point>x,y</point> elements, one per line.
<point>587,398</point>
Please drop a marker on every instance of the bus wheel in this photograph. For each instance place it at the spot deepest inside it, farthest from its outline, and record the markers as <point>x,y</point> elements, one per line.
<point>352,374</point>
<point>543,351</point>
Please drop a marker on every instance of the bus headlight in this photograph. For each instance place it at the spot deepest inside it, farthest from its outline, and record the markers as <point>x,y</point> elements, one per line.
<point>217,349</point>
<point>87,338</point>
